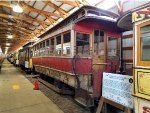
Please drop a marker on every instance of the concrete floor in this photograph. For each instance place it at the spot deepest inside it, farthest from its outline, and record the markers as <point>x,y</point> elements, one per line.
<point>17,94</point>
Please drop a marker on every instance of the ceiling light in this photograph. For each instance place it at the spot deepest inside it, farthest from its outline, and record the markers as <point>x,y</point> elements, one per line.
<point>8,44</point>
<point>17,9</point>
<point>10,36</point>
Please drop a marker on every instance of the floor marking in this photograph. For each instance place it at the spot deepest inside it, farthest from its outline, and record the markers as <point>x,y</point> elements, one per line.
<point>16,87</point>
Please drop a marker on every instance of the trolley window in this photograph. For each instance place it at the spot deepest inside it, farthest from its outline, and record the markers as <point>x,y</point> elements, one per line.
<point>44,44</point>
<point>112,47</point>
<point>58,45</point>
<point>41,45</point>
<point>47,47</point>
<point>47,42</point>
<point>96,38</point>
<point>99,42</point>
<point>142,44</point>
<point>52,46</point>
<point>66,43</point>
<point>82,44</point>
<point>145,43</point>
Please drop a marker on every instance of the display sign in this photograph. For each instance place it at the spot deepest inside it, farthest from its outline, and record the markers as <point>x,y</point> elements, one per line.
<point>141,105</point>
<point>141,14</point>
<point>17,62</point>
<point>118,88</point>
<point>142,83</point>
<point>26,64</point>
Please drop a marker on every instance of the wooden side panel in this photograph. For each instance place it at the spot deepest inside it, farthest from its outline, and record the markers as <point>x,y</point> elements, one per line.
<point>82,66</point>
<point>141,105</point>
<point>142,78</point>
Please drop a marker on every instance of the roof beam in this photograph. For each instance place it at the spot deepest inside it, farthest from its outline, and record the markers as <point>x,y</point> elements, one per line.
<point>61,11</point>
<point>72,3</point>
<point>15,47</point>
<point>8,32</point>
<point>14,30</point>
<point>44,13</point>
<point>24,23</point>
<point>24,18</point>
<point>26,7</point>
<point>83,2</point>
<point>16,27</point>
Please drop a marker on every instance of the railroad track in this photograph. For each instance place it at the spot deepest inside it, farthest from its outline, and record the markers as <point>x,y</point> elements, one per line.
<point>64,102</point>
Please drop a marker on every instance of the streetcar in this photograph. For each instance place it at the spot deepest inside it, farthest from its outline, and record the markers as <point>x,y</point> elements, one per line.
<point>77,51</point>
<point>140,23</point>
<point>25,57</point>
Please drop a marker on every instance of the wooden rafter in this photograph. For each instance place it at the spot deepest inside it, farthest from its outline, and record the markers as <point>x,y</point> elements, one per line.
<point>24,23</point>
<point>61,11</point>
<point>16,27</point>
<point>31,9</point>
<point>24,18</point>
<point>15,30</point>
<point>44,13</point>
<point>72,3</point>
<point>77,3</point>
<point>22,27</point>
<point>41,22</point>
<point>15,47</point>
<point>12,32</point>
<point>83,2</point>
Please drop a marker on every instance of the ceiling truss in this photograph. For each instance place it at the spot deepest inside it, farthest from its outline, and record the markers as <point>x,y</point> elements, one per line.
<point>33,21</point>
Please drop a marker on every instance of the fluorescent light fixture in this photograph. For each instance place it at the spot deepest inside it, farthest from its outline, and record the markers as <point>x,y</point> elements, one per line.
<point>7,44</point>
<point>10,36</point>
<point>17,9</point>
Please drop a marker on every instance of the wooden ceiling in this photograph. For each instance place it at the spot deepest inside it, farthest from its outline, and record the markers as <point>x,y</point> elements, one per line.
<point>37,18</point>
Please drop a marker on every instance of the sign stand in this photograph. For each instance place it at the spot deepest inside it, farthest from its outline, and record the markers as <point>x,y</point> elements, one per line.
<point>103,101</point>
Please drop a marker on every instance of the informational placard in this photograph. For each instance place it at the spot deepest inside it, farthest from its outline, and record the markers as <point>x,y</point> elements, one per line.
<point>26,64</point>
<point>141,105</point>
<point>118,88</point>
<point>17,62</point>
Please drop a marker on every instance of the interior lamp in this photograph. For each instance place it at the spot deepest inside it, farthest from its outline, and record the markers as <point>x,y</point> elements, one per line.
<point>17,8</point>
<point>10,36</point>
<point>7,44</point>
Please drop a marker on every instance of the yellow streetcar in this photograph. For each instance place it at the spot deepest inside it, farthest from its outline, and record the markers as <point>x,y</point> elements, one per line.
<point>141,64</point>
